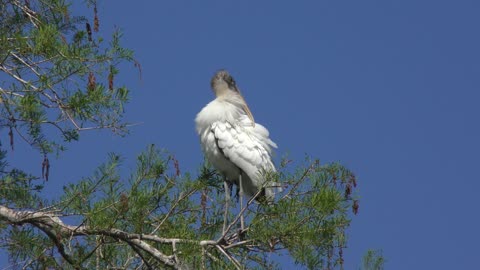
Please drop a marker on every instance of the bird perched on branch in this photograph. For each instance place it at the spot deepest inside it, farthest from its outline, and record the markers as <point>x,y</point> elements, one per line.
<point>233,143</point>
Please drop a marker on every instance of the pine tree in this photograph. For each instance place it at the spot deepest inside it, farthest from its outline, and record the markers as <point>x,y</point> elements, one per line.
<point>57,80</point>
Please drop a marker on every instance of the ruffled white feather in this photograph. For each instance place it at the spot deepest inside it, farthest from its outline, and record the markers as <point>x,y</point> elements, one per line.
<point>233,143</point>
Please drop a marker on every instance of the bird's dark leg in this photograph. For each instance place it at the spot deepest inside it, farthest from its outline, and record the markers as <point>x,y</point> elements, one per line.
<point>226,185</point>
<point>242,225</point>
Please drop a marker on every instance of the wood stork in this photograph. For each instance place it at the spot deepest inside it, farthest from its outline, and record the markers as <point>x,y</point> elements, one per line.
<point>236,146</point>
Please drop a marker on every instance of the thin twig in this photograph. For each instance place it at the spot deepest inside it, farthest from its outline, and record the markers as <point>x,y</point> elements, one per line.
<point>241,243</point>
<point>172,209</point>
<point>302,178</point>
<point>231,258</point>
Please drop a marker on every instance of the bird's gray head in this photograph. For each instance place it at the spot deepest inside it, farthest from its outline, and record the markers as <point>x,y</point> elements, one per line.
<point>222,82</point>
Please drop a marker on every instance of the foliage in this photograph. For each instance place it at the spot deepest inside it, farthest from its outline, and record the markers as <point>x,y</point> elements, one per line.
<point>373,260</point>
<point>181,218</point>
<point>57,80</point>
<point>57,74</point>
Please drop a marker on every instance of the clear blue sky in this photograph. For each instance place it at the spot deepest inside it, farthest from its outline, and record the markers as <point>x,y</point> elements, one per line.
<point>388,88</point>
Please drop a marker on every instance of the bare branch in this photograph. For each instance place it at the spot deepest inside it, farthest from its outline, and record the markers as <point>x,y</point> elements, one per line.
<point>53,226</point>
<point>50,223</point>
<point>28,12</point>
<point>230,257</point>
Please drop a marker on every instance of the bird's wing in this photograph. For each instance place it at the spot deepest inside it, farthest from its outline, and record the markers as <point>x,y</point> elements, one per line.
<point>246,146</point>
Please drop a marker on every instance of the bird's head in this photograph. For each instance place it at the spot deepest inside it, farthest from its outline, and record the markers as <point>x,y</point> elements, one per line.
<point>222,83</point>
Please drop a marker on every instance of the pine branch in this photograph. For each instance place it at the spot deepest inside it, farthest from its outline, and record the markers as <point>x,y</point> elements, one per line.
<point>54,227</point>
<point>57,230</point>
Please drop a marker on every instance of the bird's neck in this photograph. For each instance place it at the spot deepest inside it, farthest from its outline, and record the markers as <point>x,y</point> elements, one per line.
<point>222,91</point>
<point>230,97</point>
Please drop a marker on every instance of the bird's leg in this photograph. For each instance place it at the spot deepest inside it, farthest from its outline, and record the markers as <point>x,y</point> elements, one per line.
<point>227,200</point>
<point>242,225</point>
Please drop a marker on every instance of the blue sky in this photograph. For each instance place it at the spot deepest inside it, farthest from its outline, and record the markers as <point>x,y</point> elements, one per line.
<point>388,88</point>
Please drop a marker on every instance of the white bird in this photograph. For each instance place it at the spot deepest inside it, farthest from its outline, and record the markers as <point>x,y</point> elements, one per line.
<point>236,146</point>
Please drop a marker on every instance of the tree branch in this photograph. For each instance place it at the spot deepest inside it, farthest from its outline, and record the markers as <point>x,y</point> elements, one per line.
<point>50,223</point>
<point>54,227</point>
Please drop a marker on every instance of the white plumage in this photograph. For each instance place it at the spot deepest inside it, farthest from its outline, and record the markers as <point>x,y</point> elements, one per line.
<point>231,140</point>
